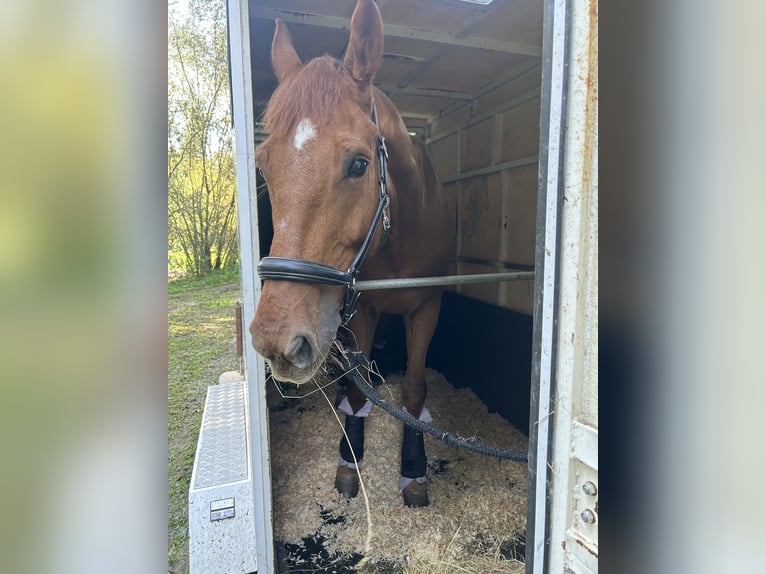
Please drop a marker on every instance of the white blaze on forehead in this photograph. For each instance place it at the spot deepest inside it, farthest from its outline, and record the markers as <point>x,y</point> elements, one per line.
<point>303,133</point>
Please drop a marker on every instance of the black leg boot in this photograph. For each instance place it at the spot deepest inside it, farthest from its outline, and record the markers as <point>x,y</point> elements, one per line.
<point>346,478</point>
<point>415,493</point>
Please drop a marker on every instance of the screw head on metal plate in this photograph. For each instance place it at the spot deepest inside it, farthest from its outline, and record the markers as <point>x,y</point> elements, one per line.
<point>589,488</point>
<point>588,516</point>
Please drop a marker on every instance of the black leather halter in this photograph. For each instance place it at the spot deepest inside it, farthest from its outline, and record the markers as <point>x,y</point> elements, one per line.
<point>292,269</point>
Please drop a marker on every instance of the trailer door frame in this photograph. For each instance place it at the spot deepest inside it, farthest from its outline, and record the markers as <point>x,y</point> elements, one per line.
<point>562,529</point>
<point>255,368</point>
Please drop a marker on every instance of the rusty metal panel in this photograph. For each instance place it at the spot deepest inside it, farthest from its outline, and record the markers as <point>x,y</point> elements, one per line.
<point>573,522</point>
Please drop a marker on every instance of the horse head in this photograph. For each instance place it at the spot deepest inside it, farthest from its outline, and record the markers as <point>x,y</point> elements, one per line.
<point>319,163</point>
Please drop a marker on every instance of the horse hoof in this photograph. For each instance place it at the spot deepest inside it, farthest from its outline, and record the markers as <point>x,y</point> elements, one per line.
<point>347,482</point>
<point>415,495</point>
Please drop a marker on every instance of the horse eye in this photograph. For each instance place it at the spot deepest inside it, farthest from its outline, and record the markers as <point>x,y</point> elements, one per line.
<point>357,167</point>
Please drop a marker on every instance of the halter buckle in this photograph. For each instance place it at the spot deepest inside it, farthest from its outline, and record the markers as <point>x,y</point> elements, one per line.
<point>349,302</point>
<point>386,213</point>
<point>382,157</point>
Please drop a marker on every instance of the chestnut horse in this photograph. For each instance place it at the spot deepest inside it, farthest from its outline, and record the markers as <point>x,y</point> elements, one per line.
<point>350,190</point>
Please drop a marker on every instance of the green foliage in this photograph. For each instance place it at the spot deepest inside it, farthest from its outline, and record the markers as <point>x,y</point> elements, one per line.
<point>202,199</point>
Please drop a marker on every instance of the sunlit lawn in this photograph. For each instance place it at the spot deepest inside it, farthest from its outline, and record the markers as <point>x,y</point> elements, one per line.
<point>201,345</point>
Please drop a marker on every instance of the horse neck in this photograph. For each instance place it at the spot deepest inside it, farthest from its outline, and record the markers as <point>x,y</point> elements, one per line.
<point>403,168</point>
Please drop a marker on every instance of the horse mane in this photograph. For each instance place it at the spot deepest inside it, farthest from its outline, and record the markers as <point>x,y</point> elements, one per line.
<point>314,91</point>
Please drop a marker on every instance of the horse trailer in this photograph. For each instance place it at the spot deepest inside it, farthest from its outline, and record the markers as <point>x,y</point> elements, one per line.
<point>504,94</point>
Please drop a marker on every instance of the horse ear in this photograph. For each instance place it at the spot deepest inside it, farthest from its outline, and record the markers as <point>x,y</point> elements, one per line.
<point>283,55</point>
<point>365,46</point>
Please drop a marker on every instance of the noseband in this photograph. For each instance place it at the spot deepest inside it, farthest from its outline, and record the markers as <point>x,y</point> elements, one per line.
<point>292,269</point>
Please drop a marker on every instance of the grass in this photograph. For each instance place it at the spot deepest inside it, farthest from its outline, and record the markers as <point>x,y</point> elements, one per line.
<point>201,345</point>
<point>190,283</point>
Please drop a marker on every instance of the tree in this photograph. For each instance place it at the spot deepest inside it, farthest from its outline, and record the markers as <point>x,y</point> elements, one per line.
<point>202,209</point>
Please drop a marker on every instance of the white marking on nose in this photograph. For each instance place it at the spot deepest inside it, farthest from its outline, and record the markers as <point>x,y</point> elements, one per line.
<point>303,133</point>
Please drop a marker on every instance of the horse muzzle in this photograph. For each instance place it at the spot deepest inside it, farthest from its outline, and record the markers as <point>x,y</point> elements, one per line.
<point>294,327</point>
<point>296,362</point>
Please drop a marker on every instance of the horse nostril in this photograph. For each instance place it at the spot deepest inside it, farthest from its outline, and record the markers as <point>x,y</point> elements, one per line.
<point>300,352</point>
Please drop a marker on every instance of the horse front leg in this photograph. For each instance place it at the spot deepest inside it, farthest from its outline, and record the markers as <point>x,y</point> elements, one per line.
<point>420,326</point>
<point>356,407</point>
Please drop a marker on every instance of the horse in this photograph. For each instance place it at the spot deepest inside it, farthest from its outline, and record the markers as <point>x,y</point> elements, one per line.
<point>352,195</point>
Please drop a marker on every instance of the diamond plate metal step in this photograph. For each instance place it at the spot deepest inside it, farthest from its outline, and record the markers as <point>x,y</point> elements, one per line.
<point>221,504</point>
<point>222,450</point>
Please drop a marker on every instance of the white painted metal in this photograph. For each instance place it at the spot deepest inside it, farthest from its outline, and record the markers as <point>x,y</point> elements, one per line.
<point>221,506</point>
<point>574,461</point>
<point>244,122</point>
<point>555,119</point>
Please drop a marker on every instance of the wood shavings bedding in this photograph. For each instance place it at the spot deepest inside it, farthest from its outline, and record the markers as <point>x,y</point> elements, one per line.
<point>477,503</point>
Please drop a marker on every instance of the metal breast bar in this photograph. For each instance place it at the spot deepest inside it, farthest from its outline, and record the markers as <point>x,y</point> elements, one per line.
<point>376,284</point>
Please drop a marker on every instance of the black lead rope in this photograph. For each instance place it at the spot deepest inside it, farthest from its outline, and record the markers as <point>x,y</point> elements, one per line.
<point>353,360</point>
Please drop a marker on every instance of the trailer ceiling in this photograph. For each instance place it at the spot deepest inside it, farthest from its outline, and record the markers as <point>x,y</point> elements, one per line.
<point>439,54</point>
